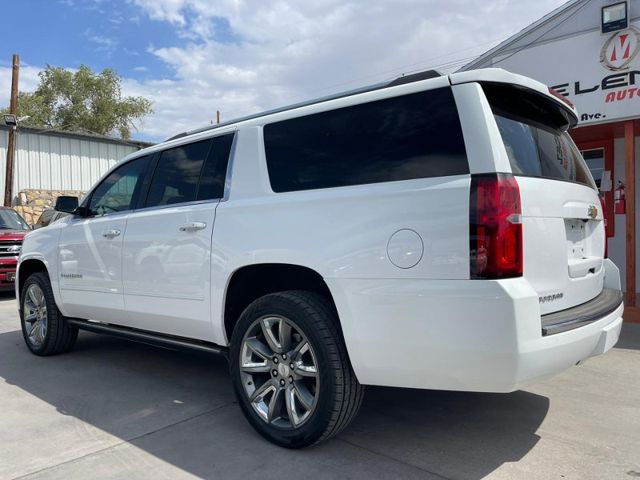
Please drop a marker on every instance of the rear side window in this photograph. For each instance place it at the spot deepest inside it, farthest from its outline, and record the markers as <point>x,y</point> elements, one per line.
<point>214,172</point>
<point>535,138</point>
<point>177,174</point>
<point>401,138</point>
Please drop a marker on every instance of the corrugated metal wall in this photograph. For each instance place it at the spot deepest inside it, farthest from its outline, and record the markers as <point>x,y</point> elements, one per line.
<point>56,162</point>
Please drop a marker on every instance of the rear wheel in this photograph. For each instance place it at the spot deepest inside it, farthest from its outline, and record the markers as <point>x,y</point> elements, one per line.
<point>44,329</point>
<point>290,369</point>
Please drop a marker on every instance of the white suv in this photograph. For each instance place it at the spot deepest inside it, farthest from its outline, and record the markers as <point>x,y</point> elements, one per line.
<point>438,232</point>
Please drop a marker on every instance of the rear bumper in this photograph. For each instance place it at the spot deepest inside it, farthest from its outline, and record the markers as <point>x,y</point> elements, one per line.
<point>607,302</point>
<point>459,334</point>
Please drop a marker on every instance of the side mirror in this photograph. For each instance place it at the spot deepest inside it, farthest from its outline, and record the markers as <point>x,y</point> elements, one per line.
<point>66,204</point>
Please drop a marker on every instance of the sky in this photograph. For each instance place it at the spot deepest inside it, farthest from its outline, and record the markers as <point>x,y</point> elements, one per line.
<point>193,57</point>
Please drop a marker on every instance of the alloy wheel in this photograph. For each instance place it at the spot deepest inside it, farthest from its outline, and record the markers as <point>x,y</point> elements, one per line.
<point>35,315</point>
<point>279,372</point>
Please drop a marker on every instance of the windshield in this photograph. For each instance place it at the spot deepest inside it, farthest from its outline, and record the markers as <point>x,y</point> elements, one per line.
<point>10,220</point>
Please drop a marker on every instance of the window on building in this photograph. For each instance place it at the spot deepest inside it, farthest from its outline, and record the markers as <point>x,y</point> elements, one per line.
<point>413,136</point>
<point>595,161</point>
<point>119,191</point>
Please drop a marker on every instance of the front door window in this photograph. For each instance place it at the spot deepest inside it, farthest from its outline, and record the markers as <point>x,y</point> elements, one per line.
<point>118,192</point>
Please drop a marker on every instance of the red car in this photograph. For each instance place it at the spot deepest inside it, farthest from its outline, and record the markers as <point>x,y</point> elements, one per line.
<point>13,228</point>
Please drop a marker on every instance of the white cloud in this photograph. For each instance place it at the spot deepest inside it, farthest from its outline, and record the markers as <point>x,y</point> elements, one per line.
<point>104,44</point>
<point>28,81</point>
<point>129,52</point>
<point>244,56</point>
<point>285,51</point>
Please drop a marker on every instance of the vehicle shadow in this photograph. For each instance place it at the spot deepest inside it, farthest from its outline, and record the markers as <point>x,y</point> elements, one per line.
<point>180,408</point>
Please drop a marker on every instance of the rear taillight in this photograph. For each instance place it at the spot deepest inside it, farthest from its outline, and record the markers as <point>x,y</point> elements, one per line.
<point>495,227</point>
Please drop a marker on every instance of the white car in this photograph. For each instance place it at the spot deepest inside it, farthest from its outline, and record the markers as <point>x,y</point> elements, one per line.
<point>437,232</point>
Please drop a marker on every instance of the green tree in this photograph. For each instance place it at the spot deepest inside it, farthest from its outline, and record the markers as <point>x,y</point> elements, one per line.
<point>82,100</point>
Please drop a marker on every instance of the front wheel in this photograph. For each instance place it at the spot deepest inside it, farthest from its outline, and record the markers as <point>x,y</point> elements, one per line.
<point>44,329</point>
<point>290,369</point>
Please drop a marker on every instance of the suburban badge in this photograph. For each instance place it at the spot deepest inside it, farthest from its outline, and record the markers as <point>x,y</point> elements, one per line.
<point>551,298</point>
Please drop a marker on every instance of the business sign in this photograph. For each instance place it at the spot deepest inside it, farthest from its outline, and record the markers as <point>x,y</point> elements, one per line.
<point>620,49</point>
<point>599,73</point>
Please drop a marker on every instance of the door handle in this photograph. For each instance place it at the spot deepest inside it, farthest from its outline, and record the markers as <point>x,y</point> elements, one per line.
<point>193,227</point>
<point>111,233</point>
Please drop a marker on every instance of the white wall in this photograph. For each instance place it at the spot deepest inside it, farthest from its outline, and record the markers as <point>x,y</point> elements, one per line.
<point>56,162</point>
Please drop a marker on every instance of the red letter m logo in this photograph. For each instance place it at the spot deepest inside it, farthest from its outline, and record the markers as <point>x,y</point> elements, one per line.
<point>621,49</point>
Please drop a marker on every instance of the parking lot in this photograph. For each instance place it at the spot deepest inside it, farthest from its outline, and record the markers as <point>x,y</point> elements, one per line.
<point>116,409</point>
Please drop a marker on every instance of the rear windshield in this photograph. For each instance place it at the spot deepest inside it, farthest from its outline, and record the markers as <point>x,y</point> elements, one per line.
<point>535,137</point>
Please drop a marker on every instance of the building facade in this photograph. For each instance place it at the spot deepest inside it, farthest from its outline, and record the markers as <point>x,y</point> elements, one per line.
<point>51,160</point>
<point>587,52</point>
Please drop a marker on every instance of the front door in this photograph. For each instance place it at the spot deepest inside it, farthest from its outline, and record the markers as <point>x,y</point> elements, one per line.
<point>90,248</point>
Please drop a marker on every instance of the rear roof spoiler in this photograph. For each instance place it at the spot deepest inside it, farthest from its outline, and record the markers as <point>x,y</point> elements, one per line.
<point>498,75</point>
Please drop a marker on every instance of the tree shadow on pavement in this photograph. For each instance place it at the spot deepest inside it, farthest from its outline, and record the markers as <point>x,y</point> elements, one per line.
<point>179,407</point>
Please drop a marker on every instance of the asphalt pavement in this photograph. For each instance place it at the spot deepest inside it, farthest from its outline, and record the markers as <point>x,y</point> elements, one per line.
<point>117,409</point>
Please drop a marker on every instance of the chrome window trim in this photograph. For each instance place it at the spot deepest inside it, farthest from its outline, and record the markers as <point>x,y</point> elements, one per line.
<point>77,218</point>
<point>175,205</point>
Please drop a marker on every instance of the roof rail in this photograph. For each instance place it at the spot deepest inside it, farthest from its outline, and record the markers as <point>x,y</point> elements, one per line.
<point>402,80</point>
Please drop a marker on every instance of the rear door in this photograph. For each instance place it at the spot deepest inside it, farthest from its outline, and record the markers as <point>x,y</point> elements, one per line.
<point>167,246</point>
<point>563,228</point>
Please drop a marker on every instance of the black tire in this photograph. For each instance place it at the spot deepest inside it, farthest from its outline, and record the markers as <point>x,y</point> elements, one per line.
<point>340,394</point>
<point>60,336</point>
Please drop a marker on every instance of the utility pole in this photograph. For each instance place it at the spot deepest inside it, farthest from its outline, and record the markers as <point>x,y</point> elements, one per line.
<point>11,146</point>
<point>217,116</point>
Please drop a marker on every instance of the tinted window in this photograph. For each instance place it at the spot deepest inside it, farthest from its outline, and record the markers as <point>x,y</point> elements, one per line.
<point>46,217</point>
<point>119,191</point>
<point>177,174</point>
<point>540,152</point>
<point>413,136</point>
<point>214,172</point>
<point>533,129</point>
